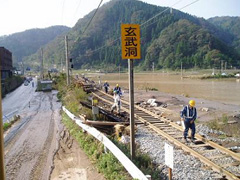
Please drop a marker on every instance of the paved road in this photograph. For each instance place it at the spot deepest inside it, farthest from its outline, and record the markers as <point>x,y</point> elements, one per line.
<point>32,142</point>
<point>16,101</point>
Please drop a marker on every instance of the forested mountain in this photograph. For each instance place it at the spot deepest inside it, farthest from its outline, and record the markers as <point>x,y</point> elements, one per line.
<point>230,25</point>
<point>190,44</point>
<point>28,42</point>
<point>167,40</point>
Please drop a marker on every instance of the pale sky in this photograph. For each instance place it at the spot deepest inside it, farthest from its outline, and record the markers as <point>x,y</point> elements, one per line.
<point>20,15</point>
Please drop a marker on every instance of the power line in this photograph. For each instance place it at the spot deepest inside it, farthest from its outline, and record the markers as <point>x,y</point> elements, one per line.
<point>146,22</point>
<point>188,4</point>
<point>92,16</point>
<point>160,13</point>
<point>89,22</point>
<point>62,11</point>
<point>77,8</point>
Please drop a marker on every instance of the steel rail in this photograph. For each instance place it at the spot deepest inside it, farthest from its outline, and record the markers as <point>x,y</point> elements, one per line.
<point>203,159</point>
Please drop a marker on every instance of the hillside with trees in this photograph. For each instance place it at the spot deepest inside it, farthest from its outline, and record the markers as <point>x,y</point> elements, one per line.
<point>28,42</point>
<point>230,25</point>
<point>167,40</point>
<point>189,44</point>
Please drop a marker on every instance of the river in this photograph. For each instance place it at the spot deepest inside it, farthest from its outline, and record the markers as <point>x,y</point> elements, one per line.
<point>222,90</point>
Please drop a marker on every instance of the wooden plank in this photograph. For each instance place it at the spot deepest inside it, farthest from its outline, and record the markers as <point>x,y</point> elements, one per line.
<point>206,151</point>
<point>236,163</point>
<point>178,136</point>
<point>105,123</point>
<point>155,122</point>
<point>199,145</point>
<point>171,133</point>
<point>218,156</point>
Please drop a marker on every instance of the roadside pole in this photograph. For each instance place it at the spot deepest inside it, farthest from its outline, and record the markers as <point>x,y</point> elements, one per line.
<point>67,60</point>
<point>41,73</point>
<point>130,38</point>
<point>2,167</point>
<point>131,100</point>
<point>181,71</point>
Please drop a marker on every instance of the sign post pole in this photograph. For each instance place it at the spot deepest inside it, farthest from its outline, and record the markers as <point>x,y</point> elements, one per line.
<point>170,173</point>
<point>130,36</point>
<point>2,167</point>
<point>131,100</point>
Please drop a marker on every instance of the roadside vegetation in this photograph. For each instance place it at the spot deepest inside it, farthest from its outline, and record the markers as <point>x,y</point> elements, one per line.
<point>7,125</point>
<point>222,124</point>
<point>106,163</point>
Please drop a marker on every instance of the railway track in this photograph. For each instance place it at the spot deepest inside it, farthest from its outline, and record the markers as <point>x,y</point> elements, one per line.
<point>173,132</point>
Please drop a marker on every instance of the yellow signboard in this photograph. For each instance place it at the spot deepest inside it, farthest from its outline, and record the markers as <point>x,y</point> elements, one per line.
<point>130,41</point>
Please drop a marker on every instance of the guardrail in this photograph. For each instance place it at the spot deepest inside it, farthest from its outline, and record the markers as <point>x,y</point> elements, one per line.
<point>8,117</point>
<point>124,160</point>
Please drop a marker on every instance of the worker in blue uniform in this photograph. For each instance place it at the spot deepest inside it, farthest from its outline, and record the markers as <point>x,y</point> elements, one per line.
<point>118,90</point>
<point>189,115</point>
<point>106,86</point>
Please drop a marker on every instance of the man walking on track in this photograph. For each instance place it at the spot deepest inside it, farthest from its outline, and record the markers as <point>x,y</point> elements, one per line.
<point>106,86</point>
<point>117,102</point>
<point>189,115</point>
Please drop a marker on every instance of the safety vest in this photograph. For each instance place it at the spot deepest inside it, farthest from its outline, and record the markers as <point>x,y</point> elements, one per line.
<point>188,112</point>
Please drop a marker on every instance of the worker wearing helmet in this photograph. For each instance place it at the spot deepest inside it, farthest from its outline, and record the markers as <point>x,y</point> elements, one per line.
<point>106,86</point>
<point>117,102</point>
<point>118,90</point>
<point>189,115</point>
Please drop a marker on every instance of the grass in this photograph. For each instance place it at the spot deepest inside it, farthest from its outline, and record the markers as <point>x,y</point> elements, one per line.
<point>221,124</point>
<point>214,124</point>
<point>7,125</point>
<point>142,160</point>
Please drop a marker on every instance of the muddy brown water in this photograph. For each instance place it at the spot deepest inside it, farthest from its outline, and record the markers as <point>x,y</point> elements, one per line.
<point>221,90</point>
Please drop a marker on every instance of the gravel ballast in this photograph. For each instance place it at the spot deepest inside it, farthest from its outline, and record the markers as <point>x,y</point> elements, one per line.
<point>185,166</point>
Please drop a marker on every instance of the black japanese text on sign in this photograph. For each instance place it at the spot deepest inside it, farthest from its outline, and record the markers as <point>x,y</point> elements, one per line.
<point>130,41</point>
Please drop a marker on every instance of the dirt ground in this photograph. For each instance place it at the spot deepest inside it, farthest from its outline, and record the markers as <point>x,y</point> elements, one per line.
<point>35,148</point>
<point>71,162</point>
<point>32,142</point>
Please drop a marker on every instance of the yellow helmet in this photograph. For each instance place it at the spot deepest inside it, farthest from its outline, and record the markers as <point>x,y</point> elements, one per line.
<point>117,85</point>
<point>192,103</point>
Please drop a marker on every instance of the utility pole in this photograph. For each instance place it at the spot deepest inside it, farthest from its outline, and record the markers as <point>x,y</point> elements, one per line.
<point>61,66</point>
<point>2,167</point>
<point>67,60</point>
<point>225,66</point>
<point>181,70</point>
<point>222,66</point>
<point>153,67</point>
<point>22,68</point>
<point>119,70</point>
<point>41,68</point>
